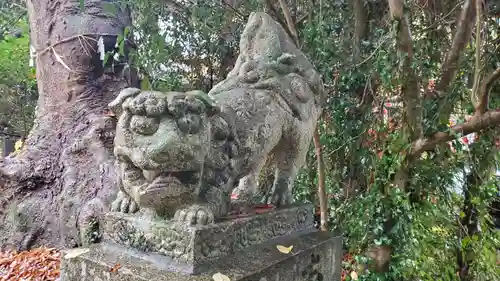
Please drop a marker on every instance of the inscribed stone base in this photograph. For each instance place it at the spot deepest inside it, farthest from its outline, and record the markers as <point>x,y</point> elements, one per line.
<point>198,246</point>
<point>316,256</point>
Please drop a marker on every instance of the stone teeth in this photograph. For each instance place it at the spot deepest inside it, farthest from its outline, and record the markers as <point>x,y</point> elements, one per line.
<point>150,175</point>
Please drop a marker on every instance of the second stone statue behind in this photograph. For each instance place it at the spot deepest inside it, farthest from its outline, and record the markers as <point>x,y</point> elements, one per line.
<point>181,155</point>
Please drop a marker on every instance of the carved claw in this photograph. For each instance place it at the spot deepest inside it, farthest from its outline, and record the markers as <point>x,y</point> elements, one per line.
<point>195,215</point>
<point>124,203</point>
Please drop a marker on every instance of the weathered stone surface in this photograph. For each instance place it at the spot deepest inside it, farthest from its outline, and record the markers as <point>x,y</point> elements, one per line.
<point>315,257</point>
<point>197,245</point>
<point>182,154</point>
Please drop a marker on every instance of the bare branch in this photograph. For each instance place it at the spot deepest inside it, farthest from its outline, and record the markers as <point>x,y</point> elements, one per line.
<point>396,8</point>
<point>9,24</point>
<point>445,19</point>
<point>460,39</point>
<point>232,8</point>
<point>410,88</point>
<point>289,22</point>
<point>482,106</point>
<point>476,124</point>
<point>301,19</point>
<point>477,73</point>
<point>270,7</point>
<point>323,201</point>
<point>360,24</point>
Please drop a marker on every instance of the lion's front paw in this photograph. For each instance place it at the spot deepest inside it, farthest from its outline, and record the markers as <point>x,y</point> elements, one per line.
<point>124,203</point>
<point>195,215</point>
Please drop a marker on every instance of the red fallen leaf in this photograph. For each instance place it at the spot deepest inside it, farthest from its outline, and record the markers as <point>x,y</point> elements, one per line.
<point>263,208</point>
<point>115,268</point>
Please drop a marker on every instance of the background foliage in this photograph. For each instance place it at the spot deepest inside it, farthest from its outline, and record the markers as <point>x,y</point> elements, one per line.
<point>430,210</point>
<point>18,91</point>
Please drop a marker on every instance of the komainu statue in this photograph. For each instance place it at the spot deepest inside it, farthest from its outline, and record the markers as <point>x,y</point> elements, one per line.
<point>181,155</point>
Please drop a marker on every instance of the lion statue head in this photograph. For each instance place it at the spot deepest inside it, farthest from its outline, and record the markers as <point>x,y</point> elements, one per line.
<point>171,147</point>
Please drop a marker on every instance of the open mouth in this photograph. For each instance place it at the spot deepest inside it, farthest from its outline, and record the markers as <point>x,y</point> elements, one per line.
<point>153,187</point>
<point>165,178</point>
<point>167,189</point>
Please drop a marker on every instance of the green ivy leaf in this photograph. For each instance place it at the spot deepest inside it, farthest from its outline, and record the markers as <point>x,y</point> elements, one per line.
<point>106,58</point>
<point>462,215</point>
<point>126,32</point>
<point>121,49</point>
<point>145,84</point>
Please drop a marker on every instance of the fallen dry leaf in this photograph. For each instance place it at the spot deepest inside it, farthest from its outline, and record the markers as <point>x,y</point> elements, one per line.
<point>37,264</point>
<point>285,250</point>
<point>73,253</point>
<point>220,277</point>
<point>115,267</point>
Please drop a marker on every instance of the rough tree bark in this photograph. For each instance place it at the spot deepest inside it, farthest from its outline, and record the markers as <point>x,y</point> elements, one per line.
<point>65,177</point>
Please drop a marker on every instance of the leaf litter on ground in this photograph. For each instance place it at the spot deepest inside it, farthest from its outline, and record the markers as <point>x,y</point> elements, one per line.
<point>41,264</point>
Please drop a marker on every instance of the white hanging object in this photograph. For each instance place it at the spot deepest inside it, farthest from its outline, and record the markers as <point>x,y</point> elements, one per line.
<point>32,56</point>
<point>100,48</point>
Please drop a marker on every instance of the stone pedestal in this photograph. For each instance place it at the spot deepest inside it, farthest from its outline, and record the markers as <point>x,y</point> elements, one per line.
<point>136,248</point>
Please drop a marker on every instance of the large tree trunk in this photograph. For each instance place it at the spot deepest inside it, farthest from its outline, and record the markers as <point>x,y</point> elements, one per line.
<point>65,176</point>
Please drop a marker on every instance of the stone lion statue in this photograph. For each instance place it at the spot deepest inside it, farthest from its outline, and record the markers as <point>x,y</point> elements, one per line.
<point>181,155</point>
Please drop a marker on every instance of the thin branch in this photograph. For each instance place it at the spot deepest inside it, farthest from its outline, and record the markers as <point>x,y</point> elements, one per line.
<point>460,39</point>
<point>4,28</point>
<point>302,19</point>
<point>270,6</point>
<point>410,88</point>
<point>476,124</point>
<point>482,106</point>
<point>444,19</point>
<point>477,73</point>
<point>289,22</point>
<point>360,24</point>
<point>323,201</point>
<point>396,9</point>
<point>234,10</point>
<point>372,54</point>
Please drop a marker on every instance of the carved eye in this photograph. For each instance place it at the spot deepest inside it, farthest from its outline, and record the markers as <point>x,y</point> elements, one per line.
<point>144,125</point>
<point>189,123</point>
